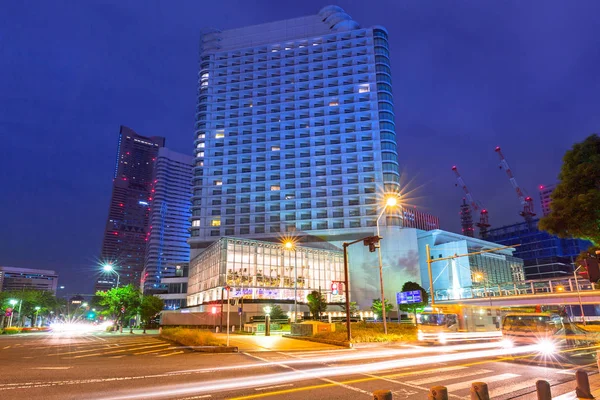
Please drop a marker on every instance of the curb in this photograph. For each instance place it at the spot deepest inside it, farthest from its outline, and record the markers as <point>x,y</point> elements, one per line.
<point>212,349</point>
<point>345,344</point>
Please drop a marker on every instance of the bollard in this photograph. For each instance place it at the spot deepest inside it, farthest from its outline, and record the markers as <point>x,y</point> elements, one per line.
<point>438,393</point>
<point>582,391</point>
<point>598,358</point>
<point>543,390</point>
<point>382,395</point>
<point>479,391</point>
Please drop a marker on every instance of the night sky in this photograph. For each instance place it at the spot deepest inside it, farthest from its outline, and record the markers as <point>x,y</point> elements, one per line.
<point>468,76</point>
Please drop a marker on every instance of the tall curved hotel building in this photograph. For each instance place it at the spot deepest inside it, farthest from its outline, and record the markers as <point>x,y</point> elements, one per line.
<point>294,130</point>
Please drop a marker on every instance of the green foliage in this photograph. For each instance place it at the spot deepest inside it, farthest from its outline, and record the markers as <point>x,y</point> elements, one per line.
<point>372,332</point>
<point>353,307</point>
<point>114,300</point>
<point>575,207</point>
<point>376,308</point>
<point>277,313</point>
<point>28,300</point>
<point>191,337</point>
<point>316,304</point>
<point>149,308</point>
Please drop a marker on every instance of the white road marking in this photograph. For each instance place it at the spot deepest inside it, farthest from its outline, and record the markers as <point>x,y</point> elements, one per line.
<point>502,390</point>
<point>170,354</point>
<point>273,387</point>
<point>204,396</point>
<point>446,377</point>
<point>51,368</point>
<point>467,384</point>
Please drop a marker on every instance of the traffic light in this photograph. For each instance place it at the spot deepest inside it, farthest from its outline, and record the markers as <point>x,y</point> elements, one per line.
<point>592,269</point>
<point>372,242</point>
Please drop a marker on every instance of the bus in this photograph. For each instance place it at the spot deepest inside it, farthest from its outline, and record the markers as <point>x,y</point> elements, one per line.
<point>454,323</point>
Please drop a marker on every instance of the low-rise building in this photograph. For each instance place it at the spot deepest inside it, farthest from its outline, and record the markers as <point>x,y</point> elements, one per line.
<point>14,278</point>
<point>175,288</point>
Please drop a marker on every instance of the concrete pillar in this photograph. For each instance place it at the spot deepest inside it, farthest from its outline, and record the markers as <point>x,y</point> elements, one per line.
<point>583,391</point>
<point>438,393</point>
<point>382,395</point>
<point>543,390</point>
<point>479,391</point>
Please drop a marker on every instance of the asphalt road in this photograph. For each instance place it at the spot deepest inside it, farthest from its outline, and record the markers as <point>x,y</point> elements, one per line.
<point>105,366</point>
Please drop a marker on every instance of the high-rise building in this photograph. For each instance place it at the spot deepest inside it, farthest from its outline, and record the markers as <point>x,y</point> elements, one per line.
<point>169,218</point>
<point>545,200</point>
<point>124,243</point>
<point>13,278</point>
<point>294,130</point>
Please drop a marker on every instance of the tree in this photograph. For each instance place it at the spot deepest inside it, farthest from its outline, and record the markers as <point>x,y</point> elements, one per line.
<point>277,313</point>
<point>575,206</point>
<point>120,303</point>
<point>28,300</point>
<point>409,287</point>
<point>376,308</point>
<point>150,307</point>
<point>353,307</point>
<point>316,304</point>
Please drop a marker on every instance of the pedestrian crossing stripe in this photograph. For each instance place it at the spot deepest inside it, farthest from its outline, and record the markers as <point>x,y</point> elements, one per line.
<point>502,390</point>
<point>467,384</point>
<point>454,375</point>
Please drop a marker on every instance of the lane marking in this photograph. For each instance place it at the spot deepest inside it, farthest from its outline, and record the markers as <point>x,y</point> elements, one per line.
<point>100,349</point>
<point>502,390</point>
<point>120,351</point>
<point>51,368</point>
<point>273,387</point>
<point>446,377</point>
<point>154,351</point>
<point>170,354</point>
<point>204,396</point>
<point>7,347</point>
<point>467,384</point>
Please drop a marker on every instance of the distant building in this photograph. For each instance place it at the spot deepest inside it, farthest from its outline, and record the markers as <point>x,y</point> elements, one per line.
<point>544,255</point>
<point>545,200</point>
<point>175,288</point>
<point>124,243</point>
<point>169,219</point>
<point>13,278</point>
<point>413,218</point>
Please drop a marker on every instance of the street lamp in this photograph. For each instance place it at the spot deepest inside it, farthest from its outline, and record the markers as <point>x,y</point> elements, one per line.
<point>12,302</point>
<point>108,267</point>
<point>289,245</point>
<point>578,293</point>
<point>391,201</point>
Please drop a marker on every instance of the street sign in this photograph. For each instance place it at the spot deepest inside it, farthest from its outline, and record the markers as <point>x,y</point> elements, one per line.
<point>414,296</point>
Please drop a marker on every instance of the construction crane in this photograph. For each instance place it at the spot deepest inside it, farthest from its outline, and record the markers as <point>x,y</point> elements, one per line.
<point>527,202</point>
<point>466,219</point>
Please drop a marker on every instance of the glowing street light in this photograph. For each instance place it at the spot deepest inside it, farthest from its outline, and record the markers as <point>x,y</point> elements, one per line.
<point>289,244</point>
<point>108,267</point>
<point>390,201</point>
<point>13,303</point>
<point>37,310</point>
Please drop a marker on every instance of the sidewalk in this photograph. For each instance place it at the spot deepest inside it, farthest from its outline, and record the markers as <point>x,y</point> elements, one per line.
<point>247,343</point>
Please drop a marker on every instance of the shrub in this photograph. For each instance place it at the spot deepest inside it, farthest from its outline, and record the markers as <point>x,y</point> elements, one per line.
<point>191,337</point>
<point>372,332</point>
<point>12,330</point>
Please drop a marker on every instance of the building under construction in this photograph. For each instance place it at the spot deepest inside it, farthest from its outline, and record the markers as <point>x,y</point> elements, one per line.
<point>544,255</point>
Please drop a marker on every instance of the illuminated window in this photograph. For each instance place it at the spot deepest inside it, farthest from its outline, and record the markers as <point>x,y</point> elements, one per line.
<point>218,183</point>
<point>201,136</point>
<point>275,188</point>
<point>200,145</point>
<point>196,222</point>
<point>363,88</point>
<point>275,148</point>
<point>215,222</point>
<point>334,103</point>
<point>220,134</point>
<point>201,154</point>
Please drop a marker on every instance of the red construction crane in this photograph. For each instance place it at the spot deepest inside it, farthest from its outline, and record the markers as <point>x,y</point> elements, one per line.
<point>483,223</point>
<point>527,202</point>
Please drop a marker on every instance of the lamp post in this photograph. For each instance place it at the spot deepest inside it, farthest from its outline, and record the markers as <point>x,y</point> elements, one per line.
<point>12,302</point>
<point>390,202</point>
<point>37,310</point>
<point>579,294</point>
<point>289,245</point>
<point>108,267</point>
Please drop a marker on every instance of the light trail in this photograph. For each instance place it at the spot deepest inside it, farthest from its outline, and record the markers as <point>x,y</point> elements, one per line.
<point>316,373</point>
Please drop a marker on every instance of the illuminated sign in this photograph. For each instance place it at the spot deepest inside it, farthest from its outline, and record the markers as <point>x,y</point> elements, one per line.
<point>414,296</point>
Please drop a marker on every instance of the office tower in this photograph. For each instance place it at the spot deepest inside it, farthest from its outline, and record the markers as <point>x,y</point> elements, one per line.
<point>294,130</point>
<point>545,200</point>
<point>124,241</point>
<point>15,279</point>
<point>169,218</point>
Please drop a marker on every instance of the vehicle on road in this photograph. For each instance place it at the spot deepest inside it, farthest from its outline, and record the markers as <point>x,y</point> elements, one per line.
<point>457,323</point>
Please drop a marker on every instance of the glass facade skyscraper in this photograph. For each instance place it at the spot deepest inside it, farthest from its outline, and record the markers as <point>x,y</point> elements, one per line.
<point>124,243</point>
<point>169,219</point>
<point>295,130</point>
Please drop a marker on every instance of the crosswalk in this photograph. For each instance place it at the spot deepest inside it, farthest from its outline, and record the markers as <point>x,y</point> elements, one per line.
<point>110,347</point>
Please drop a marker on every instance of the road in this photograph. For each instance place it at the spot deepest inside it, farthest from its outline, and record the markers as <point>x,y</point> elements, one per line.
<point>105,366</point>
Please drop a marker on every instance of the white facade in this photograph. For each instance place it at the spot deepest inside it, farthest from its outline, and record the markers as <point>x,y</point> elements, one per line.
<point>295,130</point>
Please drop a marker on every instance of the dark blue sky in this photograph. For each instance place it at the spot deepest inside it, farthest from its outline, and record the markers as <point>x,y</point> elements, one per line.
<point>468,75</point>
